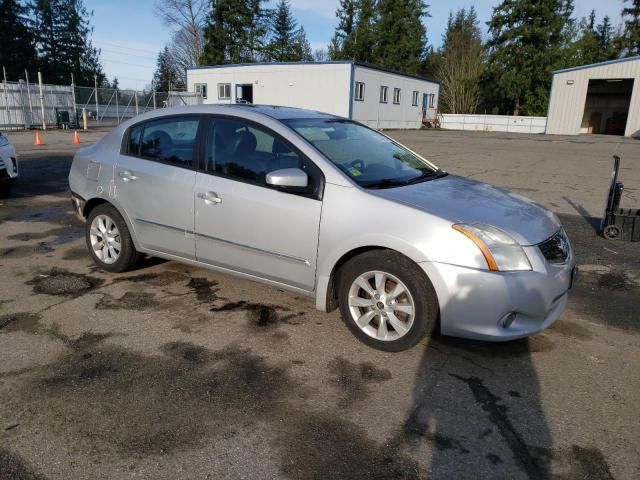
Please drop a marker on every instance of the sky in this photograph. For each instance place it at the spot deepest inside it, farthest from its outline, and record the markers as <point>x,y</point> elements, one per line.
<point>130,35</point>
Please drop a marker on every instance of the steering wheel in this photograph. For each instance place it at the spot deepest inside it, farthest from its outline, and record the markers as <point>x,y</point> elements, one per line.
<point>359,164</point>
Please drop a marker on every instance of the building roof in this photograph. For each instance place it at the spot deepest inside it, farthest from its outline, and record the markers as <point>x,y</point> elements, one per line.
<point>336,62</point>
<point>594,65</point>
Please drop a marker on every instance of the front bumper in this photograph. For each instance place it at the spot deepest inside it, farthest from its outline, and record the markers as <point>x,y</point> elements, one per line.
<point>8,162</point>
<point>474,303</point>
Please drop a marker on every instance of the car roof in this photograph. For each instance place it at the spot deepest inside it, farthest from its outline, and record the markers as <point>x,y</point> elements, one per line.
<point>273,111</point>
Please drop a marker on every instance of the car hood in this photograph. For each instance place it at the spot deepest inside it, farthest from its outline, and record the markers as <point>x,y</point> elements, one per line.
<point>462,200</point>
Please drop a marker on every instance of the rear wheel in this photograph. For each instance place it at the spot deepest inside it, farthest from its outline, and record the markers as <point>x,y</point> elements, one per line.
<point>386,300</point>
<point>108,240</point>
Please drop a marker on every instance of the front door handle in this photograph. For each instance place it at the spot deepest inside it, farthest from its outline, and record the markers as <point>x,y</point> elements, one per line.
<point>127,176</point>
<point>210,198</point>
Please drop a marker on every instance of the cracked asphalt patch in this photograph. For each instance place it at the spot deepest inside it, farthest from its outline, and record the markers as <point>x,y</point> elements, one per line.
<point>171,371</point>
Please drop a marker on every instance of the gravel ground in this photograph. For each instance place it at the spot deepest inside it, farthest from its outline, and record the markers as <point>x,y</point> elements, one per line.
<point>177,372</point>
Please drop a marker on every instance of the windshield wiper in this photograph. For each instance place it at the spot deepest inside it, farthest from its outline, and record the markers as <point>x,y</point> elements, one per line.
<point>426,176</point>
<point>385,183</point>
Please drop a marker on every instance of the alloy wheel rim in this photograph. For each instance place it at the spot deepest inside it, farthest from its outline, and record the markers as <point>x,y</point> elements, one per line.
<point>105,239</point>
<point>381,306</point>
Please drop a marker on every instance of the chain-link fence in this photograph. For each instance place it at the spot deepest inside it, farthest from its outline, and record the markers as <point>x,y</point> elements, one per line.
<point>26,105</point>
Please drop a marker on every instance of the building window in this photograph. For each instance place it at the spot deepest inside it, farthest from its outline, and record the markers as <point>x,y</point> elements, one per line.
<point>384,94</point>
<point>432,99</point>
<point>414,100</point>
<point>359,93</point>
<point>396,96</point>
<point>224,91</point>
<point>201,89</point>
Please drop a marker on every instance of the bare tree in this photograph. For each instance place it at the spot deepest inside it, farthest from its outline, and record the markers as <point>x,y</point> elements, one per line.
<point>459,73</point>
<point>186,18</point>
<point>320,55</point>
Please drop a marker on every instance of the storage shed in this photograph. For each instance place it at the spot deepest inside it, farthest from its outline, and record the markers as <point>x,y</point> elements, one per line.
<point>375,96</point>
<point>600,98</point>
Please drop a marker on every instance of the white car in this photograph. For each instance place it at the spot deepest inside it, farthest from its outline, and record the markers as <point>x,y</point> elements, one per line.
<point>8,159</point>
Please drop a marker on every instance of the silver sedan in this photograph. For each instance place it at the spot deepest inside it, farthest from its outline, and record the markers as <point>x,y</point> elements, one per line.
<point>326,207</point>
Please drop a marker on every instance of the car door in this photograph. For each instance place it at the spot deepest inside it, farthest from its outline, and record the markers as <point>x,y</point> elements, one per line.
<point>245,225</point>
<point>154,179</point>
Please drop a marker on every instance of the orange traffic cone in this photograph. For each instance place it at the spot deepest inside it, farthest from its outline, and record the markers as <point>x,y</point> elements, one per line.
<point>38,140</point>
<point>76,138</point>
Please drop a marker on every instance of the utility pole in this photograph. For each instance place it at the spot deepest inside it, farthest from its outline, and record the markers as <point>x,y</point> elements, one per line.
<point>26,76</point>
<point>95,81</point>
<point>44,120</point>
<point>73,98</point>
<point>6,98</point>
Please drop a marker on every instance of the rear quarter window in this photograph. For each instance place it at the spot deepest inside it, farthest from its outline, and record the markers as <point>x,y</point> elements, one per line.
<point>133,140</point>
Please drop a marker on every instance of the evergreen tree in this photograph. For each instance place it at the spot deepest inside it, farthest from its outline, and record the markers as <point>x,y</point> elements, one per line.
<point>282,46</point>
<point>234,32</point>
<point>165,77</point>
<point>401,36</point>
<point>461,62</point>
<point>342,46</point>
<point>529,39</point>
<point>365,34</point>
<point>17,52</point>
<point>594,43</point>
<point>632,28</point>
<point>302,47</point>
<point>62,35</point>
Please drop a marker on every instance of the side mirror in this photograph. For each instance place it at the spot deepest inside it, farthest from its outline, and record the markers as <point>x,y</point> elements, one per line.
<point>288,177</point>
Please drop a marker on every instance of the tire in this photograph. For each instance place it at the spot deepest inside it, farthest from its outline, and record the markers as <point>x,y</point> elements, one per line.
<point>611,232</point>
<point>127,256</point>
<point>384,271</point>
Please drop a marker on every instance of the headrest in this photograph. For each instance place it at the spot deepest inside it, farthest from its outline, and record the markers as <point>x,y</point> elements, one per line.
<point>279,147</point>
<point>244,142</point>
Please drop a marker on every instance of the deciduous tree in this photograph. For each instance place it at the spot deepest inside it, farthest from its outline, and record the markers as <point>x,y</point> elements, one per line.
<point>461,63</point>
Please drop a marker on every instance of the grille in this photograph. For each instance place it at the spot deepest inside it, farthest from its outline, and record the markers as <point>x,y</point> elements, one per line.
<point>556,248</point>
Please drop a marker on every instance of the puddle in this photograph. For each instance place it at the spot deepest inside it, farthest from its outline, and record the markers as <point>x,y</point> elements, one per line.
<point>168,277</point>
<point>21,321</point>
<point>353,379</point>
<point>129,301</point>
<point>24,251</point>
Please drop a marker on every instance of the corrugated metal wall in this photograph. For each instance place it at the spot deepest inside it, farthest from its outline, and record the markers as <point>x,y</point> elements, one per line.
<point>569,94</point>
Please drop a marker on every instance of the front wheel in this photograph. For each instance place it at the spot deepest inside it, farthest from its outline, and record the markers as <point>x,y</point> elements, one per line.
<point>108,240</point>
<point>386,300</point>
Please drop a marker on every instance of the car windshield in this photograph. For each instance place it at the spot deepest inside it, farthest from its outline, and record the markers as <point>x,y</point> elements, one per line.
<point>369,158</point>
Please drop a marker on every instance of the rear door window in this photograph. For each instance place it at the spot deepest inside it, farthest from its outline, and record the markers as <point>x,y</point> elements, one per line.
<point>170,140</point>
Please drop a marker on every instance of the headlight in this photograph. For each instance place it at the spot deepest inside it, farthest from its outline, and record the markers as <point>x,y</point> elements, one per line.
<point>501,252</point>
<point>4,141</point>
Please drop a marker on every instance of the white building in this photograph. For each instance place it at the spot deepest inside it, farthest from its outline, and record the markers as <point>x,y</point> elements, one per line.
<point>599,98</point>
<point>372,95</point>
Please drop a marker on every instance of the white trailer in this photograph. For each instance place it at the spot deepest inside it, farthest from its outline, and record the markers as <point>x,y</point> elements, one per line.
<point>372,95</point>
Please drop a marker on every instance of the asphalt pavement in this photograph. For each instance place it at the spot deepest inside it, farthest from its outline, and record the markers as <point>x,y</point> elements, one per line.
<point>172,371</point>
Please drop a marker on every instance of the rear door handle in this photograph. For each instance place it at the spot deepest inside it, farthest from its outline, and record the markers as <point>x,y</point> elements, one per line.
<point>210,198</point>
<point>127,176</point>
